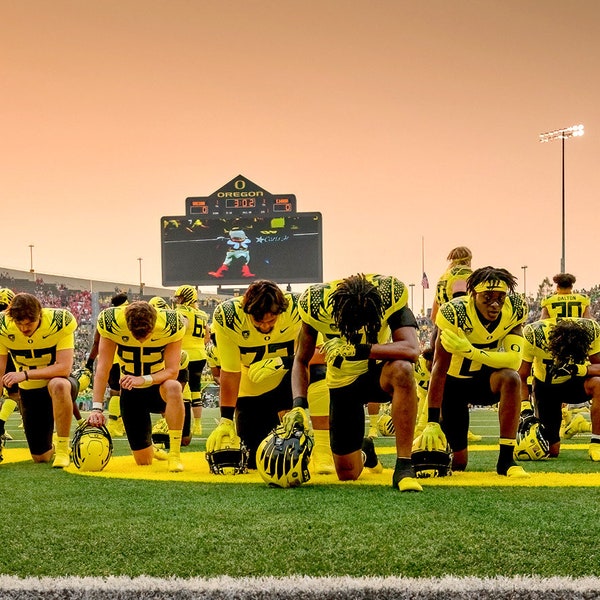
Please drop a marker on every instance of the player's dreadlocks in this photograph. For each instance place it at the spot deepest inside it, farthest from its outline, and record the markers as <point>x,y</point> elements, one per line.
<point>569,342</point>
<point>262,297</point>
<point>492,275</point>
<point>356,303</point>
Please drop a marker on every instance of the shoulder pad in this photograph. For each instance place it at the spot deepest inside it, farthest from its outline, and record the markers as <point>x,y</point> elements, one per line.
<point>455,312</point>
<point>518,305</point>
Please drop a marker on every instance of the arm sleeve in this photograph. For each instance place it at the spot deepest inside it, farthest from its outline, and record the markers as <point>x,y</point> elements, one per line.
<point>509,359</point>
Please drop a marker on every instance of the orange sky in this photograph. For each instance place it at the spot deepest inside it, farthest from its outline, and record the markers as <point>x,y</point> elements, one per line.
<point>398,120</point>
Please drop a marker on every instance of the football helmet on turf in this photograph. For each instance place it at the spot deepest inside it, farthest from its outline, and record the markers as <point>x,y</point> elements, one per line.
<point>186,294</point>
<point>531,443</point>
<point>282,457</point>
<point>230,459</point>
<point>431,463</point>
<point>92,447</point>
<point>385,425</point>
<point>84,377</point>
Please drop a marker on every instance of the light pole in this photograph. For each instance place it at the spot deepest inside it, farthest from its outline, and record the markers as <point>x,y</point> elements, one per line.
<point>524,267</point>
<point>141,280</point>
<point>562,135</point>
<point>412,297</point>
<point>31,259</point>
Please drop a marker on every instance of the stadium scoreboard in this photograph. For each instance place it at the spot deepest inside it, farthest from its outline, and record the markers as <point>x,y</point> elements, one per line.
<point>238,234</point>
<point>240,197</point>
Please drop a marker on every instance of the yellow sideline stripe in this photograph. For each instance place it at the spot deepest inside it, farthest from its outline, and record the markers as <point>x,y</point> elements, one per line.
<point>196,470</point>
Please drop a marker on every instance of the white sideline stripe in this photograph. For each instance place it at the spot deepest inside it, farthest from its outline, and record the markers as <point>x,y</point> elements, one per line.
<point>121,588</point>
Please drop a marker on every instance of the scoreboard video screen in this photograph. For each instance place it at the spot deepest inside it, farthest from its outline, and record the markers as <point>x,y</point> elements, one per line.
<point>211,250</point>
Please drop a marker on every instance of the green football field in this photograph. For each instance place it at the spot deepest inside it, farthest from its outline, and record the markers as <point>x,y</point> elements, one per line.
<point>142,521</point>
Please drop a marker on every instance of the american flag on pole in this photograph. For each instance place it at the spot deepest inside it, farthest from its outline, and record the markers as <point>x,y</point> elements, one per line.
<point>425,281</point>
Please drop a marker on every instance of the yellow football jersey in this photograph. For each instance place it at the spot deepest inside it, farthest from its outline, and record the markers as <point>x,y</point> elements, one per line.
<point>560,306</point>
<point>196,321</point>
<point>134,357</point>
<point>443,290</point>
<point>535,348</point>
<point>316,312</point>
<point>460,313</point>
<point>56,332</point>
<point>240,344</point>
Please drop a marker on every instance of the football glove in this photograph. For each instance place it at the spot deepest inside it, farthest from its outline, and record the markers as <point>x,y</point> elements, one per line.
<point>296,418</point>
<point>456,343</point>
<point>338,347</point>
<point>263,369</point>
<point>223,436</point>
<point>568,370</point>
<point>432,438</point>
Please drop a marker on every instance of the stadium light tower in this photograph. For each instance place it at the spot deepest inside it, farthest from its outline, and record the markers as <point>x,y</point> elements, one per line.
<point>524,267</point>
<point>141,280</point>
<point>562,134</point>
<point>31,258</point>
<point>412,296</point>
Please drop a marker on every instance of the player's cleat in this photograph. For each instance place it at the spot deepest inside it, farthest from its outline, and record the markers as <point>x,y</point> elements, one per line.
<point>512,470</point>
<point>2,444</point>
<point>322,462</point>
<point>115,427</point>
<point>61,460</point>
<point>594,452</point>
<point>373,433</point>
<point>517,472</point>
<point>371,461</point>
<point>159,454</point>
<point>404,479</point>
<point>197,430</point>
<point>578,424</point>
<point>471,437</point>
<point>175,465</point>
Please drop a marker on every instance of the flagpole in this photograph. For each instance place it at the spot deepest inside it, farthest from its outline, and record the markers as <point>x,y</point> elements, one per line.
<point>423,270</point>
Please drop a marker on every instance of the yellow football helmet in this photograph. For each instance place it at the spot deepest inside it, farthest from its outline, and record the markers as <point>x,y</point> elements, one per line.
<point>6,297</point>
<point>158,303</point>
<point>385,425</point>
<point>92,447</point>
<point>186,294</point>
<point>531,444</point>
<point>84,377</point>
<point>282,458</point>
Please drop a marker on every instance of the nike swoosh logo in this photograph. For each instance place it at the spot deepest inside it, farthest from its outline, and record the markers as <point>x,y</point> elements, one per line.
<point>283,330</point>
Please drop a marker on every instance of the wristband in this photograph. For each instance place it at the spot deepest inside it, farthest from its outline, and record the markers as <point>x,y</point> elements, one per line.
<point>26,375</point>
<point>433,415</point>
<point>300,402</point>
<point>98,406</point>
<point>148,381</point>
<point>363,351</point>
<point>227,412</point>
